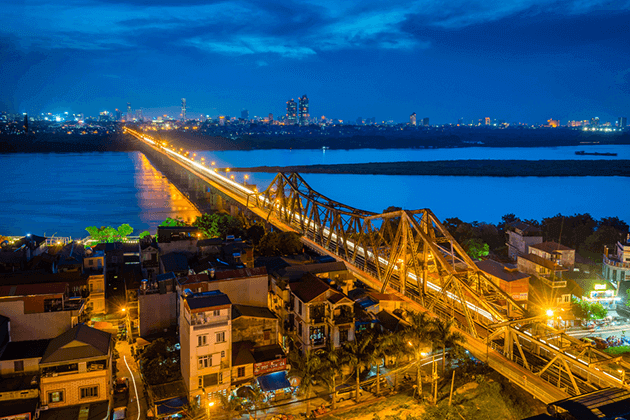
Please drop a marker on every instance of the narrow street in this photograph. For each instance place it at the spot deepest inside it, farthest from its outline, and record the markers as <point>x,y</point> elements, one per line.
<point>127,367</point>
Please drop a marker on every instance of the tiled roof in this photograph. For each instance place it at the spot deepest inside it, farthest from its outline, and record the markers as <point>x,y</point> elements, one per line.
<point>240,273</point>
<point>80,342</point>
<point>308,288</point>
<point>500,271</point>
<point>174,261</point>
<point>551,246</point>
<point>33,289</point>
<point>29,349</point>
<point>241,354</point>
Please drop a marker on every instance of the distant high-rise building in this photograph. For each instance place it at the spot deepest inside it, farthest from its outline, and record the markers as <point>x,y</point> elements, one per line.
<point>412,119</point>
<point>222,120</point>
<point>553,123</point>
<point>292,112</point>
<point>139,116</point>
<point>129,116</point>
<point>595,121</point>
<point>487,120</point>
<point>359,121</point>
<point>25,123</point>
<point>118,115</point>
<point>270,119</point>
<point>460,121</point>
<point>183,109</point>
<point>304,115</point>
<point>245,114</point>
<point>622,122</point>
<point>425,121</point>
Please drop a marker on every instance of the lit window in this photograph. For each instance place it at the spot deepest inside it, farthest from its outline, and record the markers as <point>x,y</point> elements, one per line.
<point>55,396</point>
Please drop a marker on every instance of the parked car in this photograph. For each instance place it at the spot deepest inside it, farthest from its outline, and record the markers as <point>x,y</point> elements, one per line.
<point>347,392</point>
<point>600,343</point>
<point>121,385</point>
<point>120,413</point>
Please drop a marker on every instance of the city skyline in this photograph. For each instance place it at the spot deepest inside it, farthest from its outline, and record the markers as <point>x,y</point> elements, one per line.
<point>518,61</point>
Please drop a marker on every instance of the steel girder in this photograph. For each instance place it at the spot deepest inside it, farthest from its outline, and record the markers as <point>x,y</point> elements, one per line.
<point>401,249</point>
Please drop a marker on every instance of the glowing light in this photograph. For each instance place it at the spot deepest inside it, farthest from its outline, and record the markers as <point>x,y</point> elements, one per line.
<point>549,312</point>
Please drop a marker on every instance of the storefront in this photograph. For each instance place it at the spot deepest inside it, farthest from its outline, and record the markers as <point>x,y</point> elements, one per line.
<point>276,385</point>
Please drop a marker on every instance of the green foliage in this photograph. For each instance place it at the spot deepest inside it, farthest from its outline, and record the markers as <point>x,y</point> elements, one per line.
<point>255,233</point>
<point>306,367</point>
<point>476,248</point>
<point>583,309</point>
<point>617,351</point>
<point>279,243</point>
<point>159,362</point>
<point>219,225</point>
<point>108,233</point>
<point>170,222</point>
<point>145,233</point>
<point>604,235</point>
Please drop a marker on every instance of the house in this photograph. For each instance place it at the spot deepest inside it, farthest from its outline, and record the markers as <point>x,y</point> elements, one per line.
<point>616,266</point>
<point>42,310</point>
<point>508,278</point>
<point>553,251</point>
<point>205,327</point>
<point>320,314</point>
<point>264,365</point>
<point>19,397</point>
<point>15,256</point>
<point>150,252</point>
<point>534,264</point>
<point>157,304</point>
<point>245,286</point>
<point>178,239</point>
<point>22,357</point>
<point>76,368</point>
<point>175,262</point>
<point>94,268</point>
<point>521,235</point>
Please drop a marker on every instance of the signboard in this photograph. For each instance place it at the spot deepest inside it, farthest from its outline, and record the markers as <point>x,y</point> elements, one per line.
<point>519,296</point>
<point>600,287</point>
<point>269,366</point>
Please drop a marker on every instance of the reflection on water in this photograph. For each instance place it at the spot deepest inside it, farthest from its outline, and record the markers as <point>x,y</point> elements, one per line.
<point>65,193</point>
<point>157,197</point>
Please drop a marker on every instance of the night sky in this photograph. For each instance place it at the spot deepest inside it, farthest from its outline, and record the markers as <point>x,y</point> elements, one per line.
<point>519,60</point>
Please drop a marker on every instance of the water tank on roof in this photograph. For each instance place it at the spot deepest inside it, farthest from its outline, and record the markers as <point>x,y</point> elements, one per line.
<point>211,273</point>
<point>144,284</point>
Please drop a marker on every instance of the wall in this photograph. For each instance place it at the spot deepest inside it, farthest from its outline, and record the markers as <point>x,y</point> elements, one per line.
<point>246,291</point>
<point>30,365</point>
<point>71,384</point>
<point>252,329</point>
<point>36,326</point>
<point>156,311</point>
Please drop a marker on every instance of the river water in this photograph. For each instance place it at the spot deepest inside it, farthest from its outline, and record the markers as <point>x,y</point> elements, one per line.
<point>65,193</point>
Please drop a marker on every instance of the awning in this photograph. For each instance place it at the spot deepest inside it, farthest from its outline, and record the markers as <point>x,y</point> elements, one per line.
<point>274,381</point>
<point>171,406</point>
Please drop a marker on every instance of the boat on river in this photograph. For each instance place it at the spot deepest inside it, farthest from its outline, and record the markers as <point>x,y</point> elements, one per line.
<point>585,153</point>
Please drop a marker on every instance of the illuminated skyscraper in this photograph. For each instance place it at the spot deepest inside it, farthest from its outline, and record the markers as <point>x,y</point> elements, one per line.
<point>595,121</point>
<point>412,119</point>
<point>487,120</point>
<point>129,116</point>
<point>304,115</point>
<point>291,112</point>
<point>622,122</point>
<point>183,109</point>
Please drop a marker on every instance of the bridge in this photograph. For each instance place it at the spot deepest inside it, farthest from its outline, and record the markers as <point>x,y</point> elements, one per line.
<point>412,255</point>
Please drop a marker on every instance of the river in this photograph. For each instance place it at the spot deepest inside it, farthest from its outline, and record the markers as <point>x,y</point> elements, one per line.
<point>64,193</point>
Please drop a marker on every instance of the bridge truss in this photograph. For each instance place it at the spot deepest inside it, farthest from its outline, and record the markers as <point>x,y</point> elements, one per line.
<point>409,251</point>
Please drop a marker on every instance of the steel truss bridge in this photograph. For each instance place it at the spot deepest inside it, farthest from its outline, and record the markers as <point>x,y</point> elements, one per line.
<point>412,255</point>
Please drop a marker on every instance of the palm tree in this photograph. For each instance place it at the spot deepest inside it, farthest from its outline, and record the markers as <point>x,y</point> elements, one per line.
<point>332,361</point>
<point>254,402</point>
<point>444,336</point>
<point>306,367</point>
<point>383,346</point>
<point>418,336</point>
<point>356,354</point>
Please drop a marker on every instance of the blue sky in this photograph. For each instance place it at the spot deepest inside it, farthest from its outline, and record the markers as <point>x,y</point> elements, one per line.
<point>520,60</point>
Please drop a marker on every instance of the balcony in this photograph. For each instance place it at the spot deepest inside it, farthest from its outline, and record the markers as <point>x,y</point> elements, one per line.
<point>613,261</point>
<point>343,319</point>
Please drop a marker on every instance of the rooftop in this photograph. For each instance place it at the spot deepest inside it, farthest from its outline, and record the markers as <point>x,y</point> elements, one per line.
<point>33,289</point>
<point>551,246</point>
<point>92,411</point>
<point>505,272</point>
<point>29,349</point>
<point>207,300</point>
<point>80,342</point>
<point>309,287</point>
<point>543,262</point>
<point>174,261</point>
<point>240,273</point>
<point>252,311</point>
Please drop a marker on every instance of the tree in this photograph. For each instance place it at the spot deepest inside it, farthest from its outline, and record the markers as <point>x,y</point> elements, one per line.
<point>159,361</point>
<point>306,367</point>
<point>357,355</point>
<point>232,406</point>
<point>145,233</point>
<point>383,347</point>
<point>108,233</point>
<point>332,361</point>
<point>124,230</point>
<point>443,336</point>
<point>586,310</point>
<point>418,335</point>
<point>604,235</point>
<point>254,402</point>
<point>219,225</point>
<point>280,243</point>
<point>476,248</point>
<point>170,222</point>
<point>255,233</point>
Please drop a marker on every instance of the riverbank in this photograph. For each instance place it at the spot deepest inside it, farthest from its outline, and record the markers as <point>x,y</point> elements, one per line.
<point>494,168</point>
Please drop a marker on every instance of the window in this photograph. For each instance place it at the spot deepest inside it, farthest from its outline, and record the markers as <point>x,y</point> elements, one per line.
<point>200,381</point>
<point>202,340</point>
<point>90,263</point>
<point>240,372</point>
<point>55,397</point>
<point>222,353</point>
<point>89,392</point>
<point>299,328</point>
<point>18,366</point>
<point>299,307</point>
<point>220,377</point>
<point>567,298</point>
<point>266,335</point>
<point>216,312</point>
<point>221,337</point>
<point>204,361</point>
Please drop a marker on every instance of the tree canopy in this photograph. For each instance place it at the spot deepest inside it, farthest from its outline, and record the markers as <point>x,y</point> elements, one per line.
<point>170,222</point>
<point>160,361</point>
<point>109,234</point>
<point>586,310</point>
<point>219,225</point>
<point>279,243</point>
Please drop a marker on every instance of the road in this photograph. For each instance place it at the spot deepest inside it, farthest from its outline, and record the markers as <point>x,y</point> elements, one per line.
<point>126,366</point>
